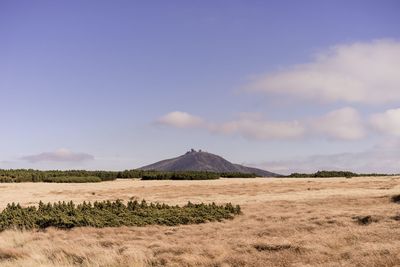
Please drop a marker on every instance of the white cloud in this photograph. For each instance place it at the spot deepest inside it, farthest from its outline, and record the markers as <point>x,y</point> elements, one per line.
<point>180,119</point>
<point>254,127</point>
<point>343,124</point>
<point>60,155</point>
<point>356,73</point>
<point>387,122</point>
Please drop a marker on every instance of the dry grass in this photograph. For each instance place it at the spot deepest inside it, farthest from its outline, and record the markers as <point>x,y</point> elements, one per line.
<point>286,222</point>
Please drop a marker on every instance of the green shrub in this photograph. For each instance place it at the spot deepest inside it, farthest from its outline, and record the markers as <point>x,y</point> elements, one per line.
<point>187,175</point>
<point>237,175</point>
<point>332,174</point>
<point>111,214</point>
<point>72,179</point>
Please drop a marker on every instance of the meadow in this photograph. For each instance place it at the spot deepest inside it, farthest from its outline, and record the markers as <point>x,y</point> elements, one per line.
<point>284,222</point>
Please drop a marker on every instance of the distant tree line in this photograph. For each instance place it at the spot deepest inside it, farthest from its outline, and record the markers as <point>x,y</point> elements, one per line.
<point>331,174</point>
<point>237,175</point>
<point>29,175</point>
<point>72,179</point>
<point>181,176</point>
<point>83,176</point>
<point>111,214</point>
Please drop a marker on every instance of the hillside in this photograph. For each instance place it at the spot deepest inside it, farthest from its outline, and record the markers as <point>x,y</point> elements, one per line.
<point>203,161</point>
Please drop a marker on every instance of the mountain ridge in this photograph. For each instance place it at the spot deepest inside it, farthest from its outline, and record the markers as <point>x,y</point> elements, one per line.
<point>203,161</point>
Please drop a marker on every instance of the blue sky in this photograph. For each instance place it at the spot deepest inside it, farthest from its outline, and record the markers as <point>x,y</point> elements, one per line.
<point>274,84</point>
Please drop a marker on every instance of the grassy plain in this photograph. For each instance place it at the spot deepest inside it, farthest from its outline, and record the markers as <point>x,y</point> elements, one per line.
<point>285,222</point>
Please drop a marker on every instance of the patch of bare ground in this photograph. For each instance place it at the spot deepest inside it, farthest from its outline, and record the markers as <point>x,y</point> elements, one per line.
<point>285,222</point>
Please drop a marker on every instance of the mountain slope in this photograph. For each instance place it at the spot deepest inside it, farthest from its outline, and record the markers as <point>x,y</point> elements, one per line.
<point>203,161</point>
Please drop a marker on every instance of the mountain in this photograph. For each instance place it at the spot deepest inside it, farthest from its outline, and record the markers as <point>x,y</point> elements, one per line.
<point>203,161</point>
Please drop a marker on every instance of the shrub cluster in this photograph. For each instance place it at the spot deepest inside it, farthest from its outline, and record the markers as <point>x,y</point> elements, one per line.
<point>331,174</point>
<point>193,175</point>
<point>72,179</point>
<point>180,176</point>
<point>111,214</point>
<point>237,175</point>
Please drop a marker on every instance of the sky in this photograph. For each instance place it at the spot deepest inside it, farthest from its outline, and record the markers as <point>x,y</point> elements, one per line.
<point>281,85</point>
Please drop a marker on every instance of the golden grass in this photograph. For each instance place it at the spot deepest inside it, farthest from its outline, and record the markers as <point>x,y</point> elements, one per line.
<point>286,222</point>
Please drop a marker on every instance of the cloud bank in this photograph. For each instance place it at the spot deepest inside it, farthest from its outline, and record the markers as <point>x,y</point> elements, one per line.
<point>366,73</point>
<point>383,158</point>
<point>60,155</point>
<point>251,126</point>
<point>342,124</point>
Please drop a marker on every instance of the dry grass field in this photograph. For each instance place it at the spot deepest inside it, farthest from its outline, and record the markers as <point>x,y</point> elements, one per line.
<point>285,222</point>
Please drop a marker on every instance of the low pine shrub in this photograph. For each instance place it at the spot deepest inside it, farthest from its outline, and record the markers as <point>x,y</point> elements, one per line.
<point>111,214</point>
<point>238,175</point>
<point>334,174</point>
<point>186,175</point>
<point>72,179</point>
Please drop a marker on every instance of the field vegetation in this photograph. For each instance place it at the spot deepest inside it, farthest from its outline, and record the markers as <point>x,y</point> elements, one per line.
<point>237,175</point>
<point>29,175</point>
<point>333,174</point>
<point>82,176</point>
<point>72,179</point>
<point>285,222</point>
<point>111,214</point>
<point>181,176</point>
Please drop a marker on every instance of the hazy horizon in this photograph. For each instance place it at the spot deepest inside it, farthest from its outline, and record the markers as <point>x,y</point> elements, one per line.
<point>280,85</point>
